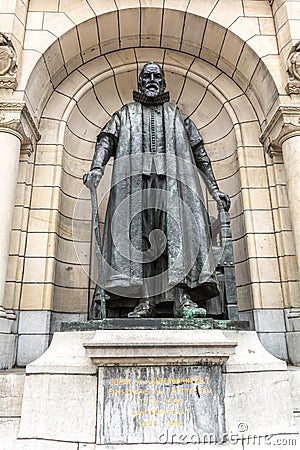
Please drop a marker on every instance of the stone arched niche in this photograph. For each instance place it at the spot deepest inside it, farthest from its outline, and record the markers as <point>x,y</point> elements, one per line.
<point>202,91</point>
<point>225,96</point>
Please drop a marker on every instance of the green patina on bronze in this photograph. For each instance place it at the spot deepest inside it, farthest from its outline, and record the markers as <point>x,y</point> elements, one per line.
<point>156,324</point>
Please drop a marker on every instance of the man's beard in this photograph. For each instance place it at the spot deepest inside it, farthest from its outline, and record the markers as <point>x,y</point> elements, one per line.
<point>152,91</point>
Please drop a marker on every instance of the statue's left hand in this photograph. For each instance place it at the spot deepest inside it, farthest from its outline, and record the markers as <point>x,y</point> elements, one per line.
<point>222,199</point>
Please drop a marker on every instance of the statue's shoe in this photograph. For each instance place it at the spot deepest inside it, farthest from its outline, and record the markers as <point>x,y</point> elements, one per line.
<point>186,308</point>
<point>143,310</point>
<point>193,313</point>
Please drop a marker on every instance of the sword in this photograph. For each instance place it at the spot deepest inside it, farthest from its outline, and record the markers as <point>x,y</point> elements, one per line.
<point>94,311</point>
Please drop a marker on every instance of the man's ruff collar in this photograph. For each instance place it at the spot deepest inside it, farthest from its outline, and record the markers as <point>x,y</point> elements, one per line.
<point>157,100</point>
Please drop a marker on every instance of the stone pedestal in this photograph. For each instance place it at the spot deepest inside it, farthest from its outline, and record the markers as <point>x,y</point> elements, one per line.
<point>158,388</point>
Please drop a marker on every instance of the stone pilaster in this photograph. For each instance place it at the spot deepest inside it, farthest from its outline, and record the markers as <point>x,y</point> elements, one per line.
<point>17,133</point>
<point>282,135</point>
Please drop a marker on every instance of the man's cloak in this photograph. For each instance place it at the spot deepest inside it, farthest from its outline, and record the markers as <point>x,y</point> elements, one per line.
<point>190,260</point>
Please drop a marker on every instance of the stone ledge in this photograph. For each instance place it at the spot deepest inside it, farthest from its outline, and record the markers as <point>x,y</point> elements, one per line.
<point>158,347</point>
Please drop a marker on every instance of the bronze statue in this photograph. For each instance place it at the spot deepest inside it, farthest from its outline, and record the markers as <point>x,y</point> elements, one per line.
<point>156,243</point>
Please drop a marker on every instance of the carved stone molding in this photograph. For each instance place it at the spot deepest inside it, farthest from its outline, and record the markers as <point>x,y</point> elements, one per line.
<point>293,70</point>
<point>293,87</point>
<point>284,124</point>
<point>157,347</point>
<point>8,82</point>
<point>8,63</point>
<point>16,119</point>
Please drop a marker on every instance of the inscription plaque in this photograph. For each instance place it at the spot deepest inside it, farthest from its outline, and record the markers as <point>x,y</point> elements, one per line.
<point>173,404</point>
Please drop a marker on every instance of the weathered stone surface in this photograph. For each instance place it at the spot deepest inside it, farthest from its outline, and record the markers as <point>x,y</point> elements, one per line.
<point>275,343</point>
<point>294,378</point>
<point>58,318</point>
<point>66,354</point>
<point>8,432</point>
<point>255,379</point>
<point>11,392</point>
<point>59,407</point>
<point>31,347</point>
<point>7,350</point>
<point>60,393</point>
<point>64,379</point>
<point>42,444</point>
<point>159,347</point>
<point>150,404</point>
<point>6,325</point>
<point>250,355</point>
<point>293,342</point>
<point>247,397</point>
<point>155,324</point>
<point>31,322</point>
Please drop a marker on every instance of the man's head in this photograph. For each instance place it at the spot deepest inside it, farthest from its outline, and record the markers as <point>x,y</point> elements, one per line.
<point>152,80</point>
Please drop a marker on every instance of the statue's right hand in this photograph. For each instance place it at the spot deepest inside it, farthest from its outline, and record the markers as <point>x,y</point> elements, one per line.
<point>92,178</point>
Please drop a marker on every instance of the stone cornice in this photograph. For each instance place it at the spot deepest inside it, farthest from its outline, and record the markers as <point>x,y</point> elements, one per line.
<point>284,124</point>
<point>15,118</point>
<point>157,347</point>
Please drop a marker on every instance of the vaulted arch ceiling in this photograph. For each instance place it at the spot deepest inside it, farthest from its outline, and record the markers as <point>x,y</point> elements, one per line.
<point>197,39</point>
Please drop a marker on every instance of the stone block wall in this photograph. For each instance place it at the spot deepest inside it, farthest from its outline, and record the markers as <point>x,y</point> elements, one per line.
<point>225,65</point>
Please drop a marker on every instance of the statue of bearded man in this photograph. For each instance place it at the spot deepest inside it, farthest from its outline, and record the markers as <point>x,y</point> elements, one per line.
<point>156,243</point>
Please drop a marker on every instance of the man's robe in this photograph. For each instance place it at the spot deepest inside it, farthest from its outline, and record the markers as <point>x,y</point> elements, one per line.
<point>156,140</point>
